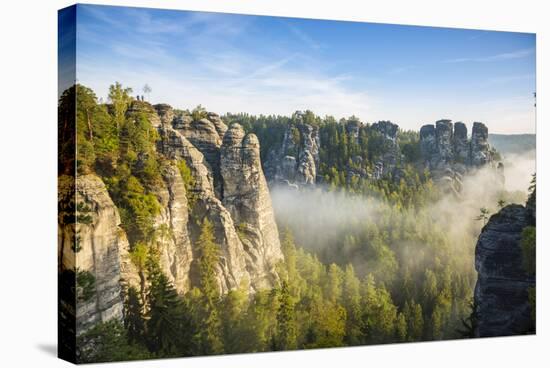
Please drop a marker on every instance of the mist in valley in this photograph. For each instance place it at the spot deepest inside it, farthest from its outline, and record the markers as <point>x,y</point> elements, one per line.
<point>342,228</point>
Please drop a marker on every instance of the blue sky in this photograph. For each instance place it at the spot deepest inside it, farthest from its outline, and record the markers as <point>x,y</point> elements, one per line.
<point>270,65</point>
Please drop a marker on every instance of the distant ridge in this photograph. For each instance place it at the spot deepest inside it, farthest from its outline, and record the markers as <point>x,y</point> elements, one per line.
<point>513,143</point>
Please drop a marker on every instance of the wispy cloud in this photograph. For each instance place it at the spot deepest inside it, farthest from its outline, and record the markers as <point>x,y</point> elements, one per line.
<point>303,36</point>
<point>518,54</point>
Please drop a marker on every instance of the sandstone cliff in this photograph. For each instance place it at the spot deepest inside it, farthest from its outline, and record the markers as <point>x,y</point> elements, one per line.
<point>228,187</point>
<point>501,292</point>
<point>247,198</point>
<point>95,247</point>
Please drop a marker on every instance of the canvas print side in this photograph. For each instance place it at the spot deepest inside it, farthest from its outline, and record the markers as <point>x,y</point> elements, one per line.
<point>66,166</point>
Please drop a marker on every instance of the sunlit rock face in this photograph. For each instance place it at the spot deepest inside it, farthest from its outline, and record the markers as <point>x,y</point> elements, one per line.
<point>501,292</point>
<point>240,210</point>
<point>247,198</point>
<point>93,246</point>
<point>232,267</point>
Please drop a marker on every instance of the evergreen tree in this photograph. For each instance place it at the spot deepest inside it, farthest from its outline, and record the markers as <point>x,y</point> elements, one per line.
<point>165,317</point>
<point>286,325</point>
<point>210,323</point>
<point>133,317</point>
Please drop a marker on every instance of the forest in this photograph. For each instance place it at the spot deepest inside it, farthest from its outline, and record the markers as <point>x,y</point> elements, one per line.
<point>365,261</point>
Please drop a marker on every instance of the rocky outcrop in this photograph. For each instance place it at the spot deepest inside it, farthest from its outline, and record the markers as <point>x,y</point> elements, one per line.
<point>443,140</point>
<point>242,215</point>
<point>479,149</point>
<point>501,292</point>
<point>461,147</point>
<point>296,162</point>
<point>205,136</point>
<point>165,112</point>
<point>428,145</point>
<point>247,198</point>
<point>446,146</point>
<point>138,106</point>
<point>232,267</point>
<point>175,249</point>
<point>94,246</point>
<point>391,156</point>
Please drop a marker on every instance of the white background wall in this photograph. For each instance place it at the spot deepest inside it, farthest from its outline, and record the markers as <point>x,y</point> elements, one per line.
<point>28,85</point>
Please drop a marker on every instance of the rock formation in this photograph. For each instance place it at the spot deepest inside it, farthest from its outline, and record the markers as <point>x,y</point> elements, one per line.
<point>445,146</point>
<point>479,149</point>
<point>174,243</point>
<point>501,292</point>
<point>240,211</point>
<point>297,160</point>
<point>443,140</point>
<point>228,188</point>
<point>232,269</point>
<point>94,246</point>
<point>461,147</point>
<point>390,158</point>
<point>247,198</point>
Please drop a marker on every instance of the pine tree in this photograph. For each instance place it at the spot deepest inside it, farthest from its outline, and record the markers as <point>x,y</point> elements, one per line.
<point>210,323</point>
<point>352,303</point>
<point>286,325</point>
<point>133,317</point>
<point>164,318</point>
<point>401,327</point>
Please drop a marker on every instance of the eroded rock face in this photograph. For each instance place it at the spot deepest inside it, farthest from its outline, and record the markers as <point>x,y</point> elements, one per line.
<point>97,253</point>
<point>387,163</point>
<point>461,148</point>
<point>501,292</point>
<point>247,198</point>
<point>171,224</point>
<point>480,145</point>
<point>446,146</point>
<point>387,129</point>
<point>206,135</point>
<point>165,112</point>
<point>443,139</point>
<point>296,162</point>
<point>232,267</point>
<point>428,145</point>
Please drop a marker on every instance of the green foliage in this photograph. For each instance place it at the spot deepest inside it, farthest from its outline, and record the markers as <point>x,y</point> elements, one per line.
<point>85,282</point>
<point>532,296</point>
<point>529,249</point>
<point>165,317</point>
<point>198,113</point>
<point>120,99</point>
<point>82,215</point>
<point>399,277</point>
<point>483,215</point>
<point>208,256</point>
<point>133,317</point>
<point>107,342</point>
<point>285,338</point>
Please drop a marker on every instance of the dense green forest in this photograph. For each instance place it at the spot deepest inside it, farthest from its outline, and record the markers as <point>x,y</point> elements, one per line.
<point>397,275</point>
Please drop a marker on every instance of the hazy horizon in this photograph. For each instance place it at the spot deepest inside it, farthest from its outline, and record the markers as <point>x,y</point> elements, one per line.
<point>410,75</point>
